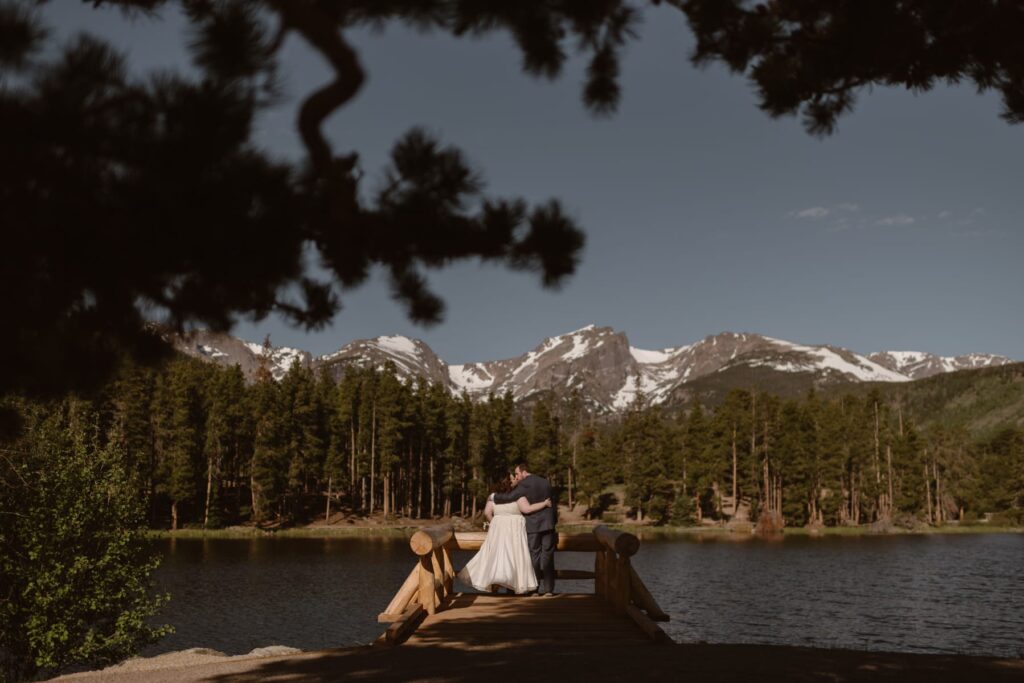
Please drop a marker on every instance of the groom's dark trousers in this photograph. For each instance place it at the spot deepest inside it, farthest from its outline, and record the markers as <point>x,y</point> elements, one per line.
<point>540,528</point>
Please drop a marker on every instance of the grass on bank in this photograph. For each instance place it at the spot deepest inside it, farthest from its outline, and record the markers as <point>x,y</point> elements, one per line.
<point>405,531</point>
<point>290,532</point>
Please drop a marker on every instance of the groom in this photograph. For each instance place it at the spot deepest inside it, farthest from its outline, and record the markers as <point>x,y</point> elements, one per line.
<point>540,525</point>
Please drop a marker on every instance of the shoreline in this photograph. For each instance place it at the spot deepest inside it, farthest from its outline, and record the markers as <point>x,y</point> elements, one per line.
<point>706,662</point>
<point>405,529</point>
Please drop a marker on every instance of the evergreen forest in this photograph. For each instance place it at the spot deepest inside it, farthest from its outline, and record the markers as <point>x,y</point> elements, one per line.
<point>209,449</point>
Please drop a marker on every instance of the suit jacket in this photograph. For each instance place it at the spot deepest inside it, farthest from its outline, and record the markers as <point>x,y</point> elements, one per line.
<point>536,489</point>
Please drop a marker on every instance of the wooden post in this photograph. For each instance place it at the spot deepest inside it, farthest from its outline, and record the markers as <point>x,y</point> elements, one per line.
<point>622,567</point>
<point>437,564</point>
<point>428,595</point>
<point>600,574</point>
<point>449,572</point>
<point>611,578</point>
<point>621,542</point>
<point>427,539</point>
<point>607,571</point>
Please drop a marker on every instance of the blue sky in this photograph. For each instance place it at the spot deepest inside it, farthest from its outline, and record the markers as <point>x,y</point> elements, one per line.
<point>902,231</point>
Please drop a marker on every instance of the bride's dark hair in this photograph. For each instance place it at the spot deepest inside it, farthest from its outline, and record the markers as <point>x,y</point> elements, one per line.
<point>502,485</point>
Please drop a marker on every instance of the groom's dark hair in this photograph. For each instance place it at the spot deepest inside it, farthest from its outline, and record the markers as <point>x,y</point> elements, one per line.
<point>521,465</point>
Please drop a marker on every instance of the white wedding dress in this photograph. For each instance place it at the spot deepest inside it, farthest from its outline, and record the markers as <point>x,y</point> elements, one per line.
<point>504,557</point>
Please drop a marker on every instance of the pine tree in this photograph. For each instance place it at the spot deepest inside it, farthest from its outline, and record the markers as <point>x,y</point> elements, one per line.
<point>439,411</point>
<point>456,456</point>
<point>645,456</point>
<point>132,399</point>
<point>544,446</point>
<point>795,457</point>
<point>597,467</point>
<point>306,440</point>
<point>226,424</point>
<point>574,420</point>
<point>180,436</point>
<point>392,403</point>
<point>268,469</point>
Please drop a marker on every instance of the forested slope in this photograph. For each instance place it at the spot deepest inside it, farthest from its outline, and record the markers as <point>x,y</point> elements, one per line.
<point>209,449</point>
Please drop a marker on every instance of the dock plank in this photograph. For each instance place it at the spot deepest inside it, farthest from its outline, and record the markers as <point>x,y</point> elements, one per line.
<point>473,621</point>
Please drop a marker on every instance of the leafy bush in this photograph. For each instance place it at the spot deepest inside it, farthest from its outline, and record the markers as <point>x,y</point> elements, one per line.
<point>75,567</point>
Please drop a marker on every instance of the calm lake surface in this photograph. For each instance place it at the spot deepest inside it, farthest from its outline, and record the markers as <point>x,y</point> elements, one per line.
<point>936,593</point>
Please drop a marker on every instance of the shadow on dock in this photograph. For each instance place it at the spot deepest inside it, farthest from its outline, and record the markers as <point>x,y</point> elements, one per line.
<point>580,660</point>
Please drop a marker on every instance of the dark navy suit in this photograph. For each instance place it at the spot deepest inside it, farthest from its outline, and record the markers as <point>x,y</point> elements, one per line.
<point>540,527</point>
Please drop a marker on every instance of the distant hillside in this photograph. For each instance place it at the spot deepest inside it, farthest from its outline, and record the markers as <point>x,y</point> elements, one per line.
<point>711,389</point>
<point>984,401</point>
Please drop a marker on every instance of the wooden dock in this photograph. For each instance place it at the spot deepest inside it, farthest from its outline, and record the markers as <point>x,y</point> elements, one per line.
<point>609,634</point>
<point>426,612</point>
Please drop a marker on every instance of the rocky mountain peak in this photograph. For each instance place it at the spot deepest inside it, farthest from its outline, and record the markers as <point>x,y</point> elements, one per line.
<point>920,364</point>
<point>592,360</point>
<point>412,358</point>
<point>249,356</point>
<point>599,363</point>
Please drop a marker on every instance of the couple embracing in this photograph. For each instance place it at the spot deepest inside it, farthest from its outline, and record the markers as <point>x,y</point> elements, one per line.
<point>520,545</point>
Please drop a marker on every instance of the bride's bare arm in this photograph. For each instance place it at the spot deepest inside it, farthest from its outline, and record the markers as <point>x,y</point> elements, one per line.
<point>489,510</point>
<point>526,508</point>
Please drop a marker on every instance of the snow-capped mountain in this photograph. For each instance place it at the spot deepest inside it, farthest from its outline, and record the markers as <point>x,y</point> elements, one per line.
<point>411,357</point>
<point>596,361</point>
<point>918,364</point>
<point>599,363</point>
<point>227,350</point>
<point>608,372</point>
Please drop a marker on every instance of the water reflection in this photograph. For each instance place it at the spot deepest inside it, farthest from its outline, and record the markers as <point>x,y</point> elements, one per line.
<point>909,593</point>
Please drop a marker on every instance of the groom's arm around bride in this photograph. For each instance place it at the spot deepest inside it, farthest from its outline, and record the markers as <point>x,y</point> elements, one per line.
<point>540,526</point>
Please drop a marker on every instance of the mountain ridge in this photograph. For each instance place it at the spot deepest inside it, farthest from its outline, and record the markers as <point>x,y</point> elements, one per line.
<point>598,363</point>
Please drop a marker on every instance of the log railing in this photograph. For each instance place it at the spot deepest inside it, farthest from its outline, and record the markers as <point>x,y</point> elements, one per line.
<point>430,584</point>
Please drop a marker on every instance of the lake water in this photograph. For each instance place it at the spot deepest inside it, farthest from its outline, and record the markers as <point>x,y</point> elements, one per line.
<point>935,593</point>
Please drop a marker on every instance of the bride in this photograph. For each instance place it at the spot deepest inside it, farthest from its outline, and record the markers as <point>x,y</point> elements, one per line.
<point>504,557</point>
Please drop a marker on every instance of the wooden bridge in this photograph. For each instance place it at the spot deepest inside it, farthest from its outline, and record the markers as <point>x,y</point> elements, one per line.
<point>427,611</point>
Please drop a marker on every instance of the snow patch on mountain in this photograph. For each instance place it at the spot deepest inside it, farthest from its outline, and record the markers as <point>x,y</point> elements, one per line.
<point>856,366</point>
<point>645,357</point>
<point>906,357</point>
<point>398,344</point>
<point>920,364</point>
<point>257,349</point>
<point>210,351</point>
<point>580,345</point>
<point>280,358</point>
<point>471,377</point>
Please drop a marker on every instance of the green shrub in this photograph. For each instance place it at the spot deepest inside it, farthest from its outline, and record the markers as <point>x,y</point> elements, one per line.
<point>74,563</point>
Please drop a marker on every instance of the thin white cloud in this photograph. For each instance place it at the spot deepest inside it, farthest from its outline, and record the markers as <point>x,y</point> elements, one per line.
<point>973,229</point>
<point>849,207</point>
<point>898,219</point>
<point>944,214</point>
<point>813,212</point>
